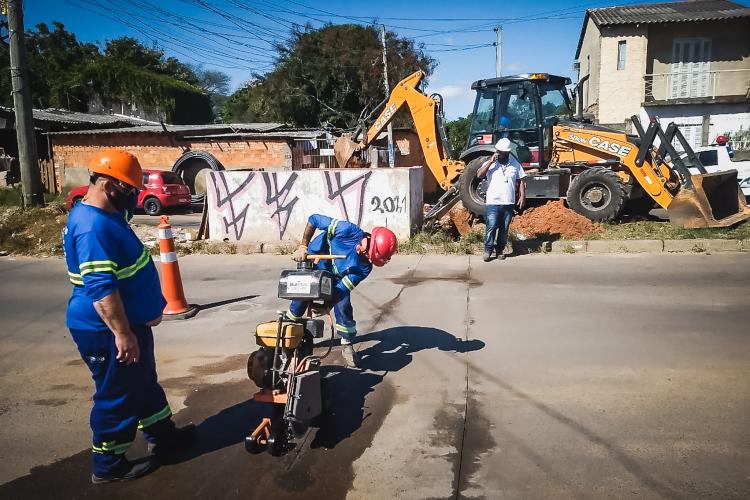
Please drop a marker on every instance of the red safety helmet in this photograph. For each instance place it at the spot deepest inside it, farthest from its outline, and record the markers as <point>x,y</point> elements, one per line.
<point>721,140</point>
<point>383,244</point>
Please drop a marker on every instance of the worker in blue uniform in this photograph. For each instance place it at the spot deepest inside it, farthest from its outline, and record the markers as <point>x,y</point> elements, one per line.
<point>360,251</point>
<point>115,302</point>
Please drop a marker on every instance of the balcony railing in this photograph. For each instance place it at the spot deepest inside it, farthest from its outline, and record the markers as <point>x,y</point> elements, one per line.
<point>697,84</point>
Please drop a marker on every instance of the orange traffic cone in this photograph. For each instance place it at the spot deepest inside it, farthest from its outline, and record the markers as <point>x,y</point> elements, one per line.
<point>171,281</point>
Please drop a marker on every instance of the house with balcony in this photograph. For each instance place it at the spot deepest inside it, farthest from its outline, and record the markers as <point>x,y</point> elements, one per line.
<point>686,62</point>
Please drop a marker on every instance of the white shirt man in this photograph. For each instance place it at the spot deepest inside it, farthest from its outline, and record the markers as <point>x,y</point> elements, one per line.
<point>504,175</point>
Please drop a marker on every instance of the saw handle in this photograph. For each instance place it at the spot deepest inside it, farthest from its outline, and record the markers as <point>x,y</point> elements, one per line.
<point>318,258</point>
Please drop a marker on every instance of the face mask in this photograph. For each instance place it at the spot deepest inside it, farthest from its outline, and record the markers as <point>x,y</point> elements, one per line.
<point>121,200</point>
<point>503,157</point>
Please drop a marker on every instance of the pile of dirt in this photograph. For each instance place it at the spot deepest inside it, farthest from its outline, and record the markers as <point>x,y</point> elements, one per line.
<point>458,221</point>
<point>553,219</point>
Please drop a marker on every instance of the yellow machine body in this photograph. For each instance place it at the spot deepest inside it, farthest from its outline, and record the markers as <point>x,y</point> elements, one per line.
<point>707,200</point>
<point>291,334</point>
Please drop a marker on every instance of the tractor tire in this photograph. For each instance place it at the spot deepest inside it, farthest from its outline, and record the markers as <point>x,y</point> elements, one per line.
<point>152,206</point>
<point>598,194</point>
<point>472,190</point>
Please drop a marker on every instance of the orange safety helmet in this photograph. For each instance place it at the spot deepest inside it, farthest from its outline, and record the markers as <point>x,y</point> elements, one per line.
<point>383,244</point>
<point>120,165</point>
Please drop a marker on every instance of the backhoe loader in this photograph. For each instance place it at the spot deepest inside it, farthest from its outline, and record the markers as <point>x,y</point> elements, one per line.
<point>597,170</point>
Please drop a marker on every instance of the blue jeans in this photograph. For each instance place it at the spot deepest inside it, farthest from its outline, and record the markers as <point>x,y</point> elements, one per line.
<point>497,219</point>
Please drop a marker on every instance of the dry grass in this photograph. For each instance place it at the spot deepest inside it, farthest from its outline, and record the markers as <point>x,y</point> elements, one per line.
<point>649,230</point>
<point>34,232</point>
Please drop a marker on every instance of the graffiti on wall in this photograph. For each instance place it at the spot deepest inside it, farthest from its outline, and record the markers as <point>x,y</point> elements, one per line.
<point>275,196</point>
<point>352,192</point>
<point>277,199</point>
<point>235,217</point>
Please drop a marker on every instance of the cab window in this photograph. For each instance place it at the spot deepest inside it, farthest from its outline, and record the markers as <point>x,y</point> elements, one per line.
<point>516,108</point>
<point>484,110</point>
<point>554,102</point>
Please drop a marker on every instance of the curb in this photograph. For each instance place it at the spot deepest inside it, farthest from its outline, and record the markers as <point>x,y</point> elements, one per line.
<point>649,246</point>
<point>522,247</point>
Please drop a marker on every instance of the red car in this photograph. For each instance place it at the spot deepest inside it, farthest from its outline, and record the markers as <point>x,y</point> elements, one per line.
<point>164,189</point>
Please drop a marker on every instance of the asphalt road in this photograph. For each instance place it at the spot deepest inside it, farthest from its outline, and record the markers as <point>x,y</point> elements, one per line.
<point>543,376</point>
<point>185,220</point>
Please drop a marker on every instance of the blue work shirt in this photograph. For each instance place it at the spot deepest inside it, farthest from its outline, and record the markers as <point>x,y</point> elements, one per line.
<point>340,237</point>
<point>103,254</point>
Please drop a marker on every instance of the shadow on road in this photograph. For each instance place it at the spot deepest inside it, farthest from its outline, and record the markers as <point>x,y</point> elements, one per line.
<point>216,464</point>
<point>347,388</point>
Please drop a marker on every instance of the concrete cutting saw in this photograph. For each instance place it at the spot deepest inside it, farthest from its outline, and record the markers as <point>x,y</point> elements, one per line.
<point>284,367</point>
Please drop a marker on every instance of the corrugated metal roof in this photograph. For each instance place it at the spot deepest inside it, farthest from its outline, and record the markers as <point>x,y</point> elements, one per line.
<point>158,129</point>
<point>55,115</point>
<point>670,12</point>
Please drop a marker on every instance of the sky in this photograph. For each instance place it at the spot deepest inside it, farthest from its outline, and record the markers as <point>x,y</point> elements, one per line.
<point>235,36</point>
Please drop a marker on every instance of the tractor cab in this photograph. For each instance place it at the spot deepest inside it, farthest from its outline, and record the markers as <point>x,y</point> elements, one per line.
<point>522,108</point>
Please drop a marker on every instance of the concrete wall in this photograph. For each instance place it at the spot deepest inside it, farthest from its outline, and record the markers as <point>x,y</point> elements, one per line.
<point>274,206</point>
<point>730,50</point>
<point>621,91</point>
<point>72,153</point>
<point>721,118</point>
<point>589,60</point>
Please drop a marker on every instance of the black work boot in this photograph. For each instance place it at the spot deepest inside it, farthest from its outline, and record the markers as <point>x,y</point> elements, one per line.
<point>177,441</point>
<point>126,471</point>
<point>487,256</point>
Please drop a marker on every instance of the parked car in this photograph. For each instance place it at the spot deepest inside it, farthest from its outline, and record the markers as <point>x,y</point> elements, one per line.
<point>163,190</point>
<point>719,158</point>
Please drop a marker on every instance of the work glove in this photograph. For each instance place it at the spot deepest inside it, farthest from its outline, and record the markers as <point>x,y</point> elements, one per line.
<point>300,254</point>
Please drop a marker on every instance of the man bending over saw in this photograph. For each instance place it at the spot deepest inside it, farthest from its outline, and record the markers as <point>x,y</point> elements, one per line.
<point>360,251</point>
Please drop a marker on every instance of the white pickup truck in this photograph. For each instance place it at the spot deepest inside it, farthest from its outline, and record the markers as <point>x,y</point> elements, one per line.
<point>719,159</point>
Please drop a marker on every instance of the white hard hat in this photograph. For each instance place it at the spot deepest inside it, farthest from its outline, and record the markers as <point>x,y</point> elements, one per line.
<point>503,145</point>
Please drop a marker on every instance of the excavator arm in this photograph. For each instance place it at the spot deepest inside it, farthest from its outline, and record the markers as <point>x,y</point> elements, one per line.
<point>425,114</point>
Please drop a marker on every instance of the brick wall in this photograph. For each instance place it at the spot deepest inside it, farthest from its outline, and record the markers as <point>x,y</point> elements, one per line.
<point>72,153</point>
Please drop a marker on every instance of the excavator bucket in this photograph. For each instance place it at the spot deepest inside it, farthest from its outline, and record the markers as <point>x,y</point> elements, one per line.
<point>344,150</point>
<point>713,200</point>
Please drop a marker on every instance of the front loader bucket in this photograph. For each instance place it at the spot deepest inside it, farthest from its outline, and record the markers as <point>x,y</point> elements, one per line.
<point>714,200</point>
<point>344,150</point>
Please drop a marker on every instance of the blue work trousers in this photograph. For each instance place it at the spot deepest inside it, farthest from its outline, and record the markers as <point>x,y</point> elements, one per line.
<point>127,397</point>
<point>497,220</point>
<point>346,327</point>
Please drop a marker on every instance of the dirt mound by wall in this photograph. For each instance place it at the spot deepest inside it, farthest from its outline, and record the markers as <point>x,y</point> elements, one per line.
<point>553,218</point>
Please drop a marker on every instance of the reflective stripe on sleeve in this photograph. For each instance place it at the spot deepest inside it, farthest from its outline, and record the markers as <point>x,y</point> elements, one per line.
<point>76,279</point>
<point>165,412</point>
<point>348,283</point>
<point>331,232</point>
<point>97,266</point>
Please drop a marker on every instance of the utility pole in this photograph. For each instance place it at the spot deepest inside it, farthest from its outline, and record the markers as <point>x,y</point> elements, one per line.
<point>391,157</point>
<point>498,51</point>
<point>31,184</point>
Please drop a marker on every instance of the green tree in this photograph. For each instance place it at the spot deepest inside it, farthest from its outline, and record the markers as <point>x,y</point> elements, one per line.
<point>66,73</point>
<point>458,134</point>
<point>56,62</point>
<point>326,75</point>
<point>131,51</point>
